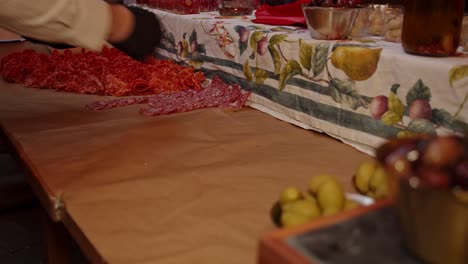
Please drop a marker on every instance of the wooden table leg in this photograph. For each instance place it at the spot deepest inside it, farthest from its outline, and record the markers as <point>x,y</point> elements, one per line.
<point>57,241</point>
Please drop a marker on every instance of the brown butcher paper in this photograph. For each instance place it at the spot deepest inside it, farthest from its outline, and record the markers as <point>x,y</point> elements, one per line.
<point>192,187</point>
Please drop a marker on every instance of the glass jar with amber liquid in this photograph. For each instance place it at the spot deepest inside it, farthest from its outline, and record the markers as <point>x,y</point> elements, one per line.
<point>432,27</point>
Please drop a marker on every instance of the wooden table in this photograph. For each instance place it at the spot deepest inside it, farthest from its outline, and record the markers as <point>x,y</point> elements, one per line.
<point>192,187</point>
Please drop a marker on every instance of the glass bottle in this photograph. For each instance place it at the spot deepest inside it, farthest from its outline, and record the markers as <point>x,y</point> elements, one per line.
<point>236,7</point>
<point>188,6</point>
<point>432,27</point>
<point>153,3</point>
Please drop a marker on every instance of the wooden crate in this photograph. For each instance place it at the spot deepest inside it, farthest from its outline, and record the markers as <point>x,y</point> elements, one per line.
<point>274,247</point>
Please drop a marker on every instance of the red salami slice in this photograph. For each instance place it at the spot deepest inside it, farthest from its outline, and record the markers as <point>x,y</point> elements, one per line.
<point>110,72</point>
<point>217,93</point>
<point>170,87</point>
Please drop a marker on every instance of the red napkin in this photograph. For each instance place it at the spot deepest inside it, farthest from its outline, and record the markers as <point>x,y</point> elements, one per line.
<point>285,15</point>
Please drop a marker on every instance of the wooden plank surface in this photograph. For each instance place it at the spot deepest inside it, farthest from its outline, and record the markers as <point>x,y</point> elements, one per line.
<point>183,188</point>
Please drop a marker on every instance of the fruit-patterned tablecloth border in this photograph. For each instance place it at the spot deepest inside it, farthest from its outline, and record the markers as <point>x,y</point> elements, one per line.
<point>361,92</point>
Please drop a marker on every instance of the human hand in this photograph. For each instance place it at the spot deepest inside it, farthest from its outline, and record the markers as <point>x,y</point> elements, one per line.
<point>144,37</point>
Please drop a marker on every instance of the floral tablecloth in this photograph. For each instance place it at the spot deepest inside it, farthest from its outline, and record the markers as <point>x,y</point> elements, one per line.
<point>361,92</point>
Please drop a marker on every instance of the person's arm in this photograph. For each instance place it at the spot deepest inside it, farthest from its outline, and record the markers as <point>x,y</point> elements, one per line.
<point>83,23</point>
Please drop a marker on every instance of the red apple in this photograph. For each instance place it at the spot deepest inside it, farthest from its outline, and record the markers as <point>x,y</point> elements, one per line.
<point>180,47</point>
<point>378,106</point>
<point>193,46</point>
<point>243,35</point>
<point>262,46</point>
<point>420,108</point>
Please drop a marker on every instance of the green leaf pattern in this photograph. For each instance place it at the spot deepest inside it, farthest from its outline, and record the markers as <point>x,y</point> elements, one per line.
<point>394,116</point>
<point>419,91</point>
<point>306,53</point>
<point>276,58</point>
<point>458,73</point>
<point>193,36</point>
<point>342,91</point>
<point>422,126</point>
<point>394,88</point>
<point>277,39</point>
<point>260,76</point>
<point>291,69</point>
<point>311,62</point>
<point>247,71</point>
<point>442,117</point>
<point>320,58</point>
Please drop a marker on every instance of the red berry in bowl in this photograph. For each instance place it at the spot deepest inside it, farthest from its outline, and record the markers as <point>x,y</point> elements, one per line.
<point>340,3</point>
<point>400,156</point>
<point>434,178</point>
<point>461,174</point>
<point>444,151</point>
<point>398,165</point>
<point>328,3</point>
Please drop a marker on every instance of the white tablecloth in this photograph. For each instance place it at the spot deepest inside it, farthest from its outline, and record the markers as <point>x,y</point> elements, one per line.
<point>295,78</point>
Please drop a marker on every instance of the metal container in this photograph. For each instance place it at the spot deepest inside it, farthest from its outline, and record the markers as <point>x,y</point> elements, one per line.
<point>434,224</point>
<point>330,23</point>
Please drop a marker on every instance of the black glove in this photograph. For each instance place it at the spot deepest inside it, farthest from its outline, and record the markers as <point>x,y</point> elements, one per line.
<point>145,36</point>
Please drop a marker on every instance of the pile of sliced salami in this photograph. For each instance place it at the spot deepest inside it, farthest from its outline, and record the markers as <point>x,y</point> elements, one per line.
<point>217,93</point>
<point>162,85</point>
<point>108,73</point>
